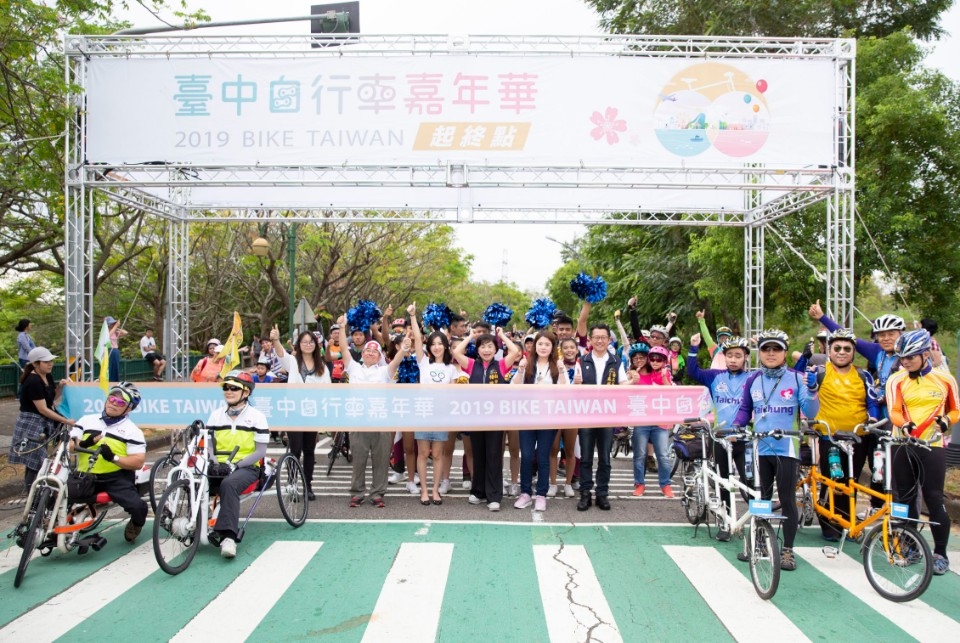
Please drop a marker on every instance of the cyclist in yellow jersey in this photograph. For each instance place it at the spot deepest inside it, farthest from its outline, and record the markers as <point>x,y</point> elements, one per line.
<point>237,425</point>
<point>926,400</point>
<point>122,452</point>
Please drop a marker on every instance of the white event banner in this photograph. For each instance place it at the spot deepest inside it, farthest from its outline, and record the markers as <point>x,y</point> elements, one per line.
<point>528,110</point>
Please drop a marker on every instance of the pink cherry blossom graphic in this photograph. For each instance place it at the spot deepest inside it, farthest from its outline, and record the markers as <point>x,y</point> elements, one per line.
<point>607,125</point>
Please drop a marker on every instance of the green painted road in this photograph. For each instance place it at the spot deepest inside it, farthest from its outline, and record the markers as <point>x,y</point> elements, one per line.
<point>420,581</point>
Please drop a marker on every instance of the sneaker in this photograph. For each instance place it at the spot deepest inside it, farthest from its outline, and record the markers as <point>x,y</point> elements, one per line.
<point>523,501</point>
<point>787,561</point>
<point>467,485</point>
<point>866,513</point>
<point>667,491</point>
<point>513,490</point>
<point>444,487</point>
<point>412,488</point>
<point>743,557</point>
<point>638,489</point>
<point>540,504</point>
<point>473,500</point>
<point>493,506</point>
<point>132,531</point>
<point>228,548</point>
<point>395,477</point>
<point>552,491</point>
<point>940,565</point>
<point>569,491</point>
<point>416,478</point>
<point>723,536</point>
<point>576,485</point>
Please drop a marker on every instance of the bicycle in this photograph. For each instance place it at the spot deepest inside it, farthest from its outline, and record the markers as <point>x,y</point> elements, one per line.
<point>50,520</point>
<point>701,494</point>
<point>896,558</point>
<point>160,470</point>
<point>186,513</point>
<point>341,446</point>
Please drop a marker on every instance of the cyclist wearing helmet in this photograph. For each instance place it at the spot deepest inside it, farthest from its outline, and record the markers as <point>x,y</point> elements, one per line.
<point>122,452</point>
<point>773,397</point>
<point>677,363</point>
<point>236,425</point>
<point>658,374</point>
<point>881,360</point>
<point>925,400</point>
<point>717,359</point>
<point>845,402</point>
<point>208,368</point>
<point>726,389</point>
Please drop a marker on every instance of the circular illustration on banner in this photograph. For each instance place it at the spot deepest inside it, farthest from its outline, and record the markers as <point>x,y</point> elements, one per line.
<point>712,104</point>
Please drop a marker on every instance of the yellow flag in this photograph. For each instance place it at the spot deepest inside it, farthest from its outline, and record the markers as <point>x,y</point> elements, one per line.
<point>102,353</point>
<point>231,348</point>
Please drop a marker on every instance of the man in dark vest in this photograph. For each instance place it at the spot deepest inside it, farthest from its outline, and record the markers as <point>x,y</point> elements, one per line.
<point>599,367</point>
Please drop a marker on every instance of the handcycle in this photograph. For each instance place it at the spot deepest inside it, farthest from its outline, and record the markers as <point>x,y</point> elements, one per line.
<point>341,446</point>
<point>51,519</point>
<point>702,484</point>
<point>896,558</point>
<point>187,510</point>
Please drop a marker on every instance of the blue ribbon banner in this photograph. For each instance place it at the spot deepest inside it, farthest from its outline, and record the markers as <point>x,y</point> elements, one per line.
<point>413,407</point>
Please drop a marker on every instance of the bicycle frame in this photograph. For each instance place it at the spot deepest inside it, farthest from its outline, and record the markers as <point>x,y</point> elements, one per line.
<point>193,467</point>
<point>712,480</point>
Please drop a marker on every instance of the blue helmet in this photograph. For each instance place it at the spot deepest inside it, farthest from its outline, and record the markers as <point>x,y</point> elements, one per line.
<point>912,343</point>
<point>639,349</point>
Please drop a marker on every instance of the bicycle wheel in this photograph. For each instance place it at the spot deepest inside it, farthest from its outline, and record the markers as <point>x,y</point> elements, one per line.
<point>764,559</point>
<point>176,532</point>
<point>694,494</point>
<point>292,490</point>
<point>674,462</point>
<point>158,478</point>
<point>902,572</point>
<point>805,505</point>
<point>36,528</point>
<point>334,452</point>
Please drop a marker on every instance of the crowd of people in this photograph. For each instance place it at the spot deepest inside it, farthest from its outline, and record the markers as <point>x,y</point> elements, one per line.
<point>906,381</point>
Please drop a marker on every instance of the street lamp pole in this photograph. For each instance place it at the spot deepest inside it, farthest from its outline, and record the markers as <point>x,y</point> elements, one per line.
<point>292,265</point>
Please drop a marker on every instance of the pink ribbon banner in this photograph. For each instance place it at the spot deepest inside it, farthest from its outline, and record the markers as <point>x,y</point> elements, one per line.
<point>412,407</point>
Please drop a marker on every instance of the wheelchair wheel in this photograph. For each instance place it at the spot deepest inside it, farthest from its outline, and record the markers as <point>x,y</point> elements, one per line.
<point>902,570</point>
<point>764,559</point>
<point>158,478</point>
<point>176,531</point>
<point>292,490</point>
<point>36,528</point>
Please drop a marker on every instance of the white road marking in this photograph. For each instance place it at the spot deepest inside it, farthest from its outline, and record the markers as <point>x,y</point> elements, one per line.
<point>572,598</point>
<point>732,597</point>
<point>408,608</point>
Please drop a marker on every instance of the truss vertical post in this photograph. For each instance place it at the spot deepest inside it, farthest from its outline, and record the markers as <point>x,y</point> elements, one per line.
<point>177,328</point>
<point>841,202</point>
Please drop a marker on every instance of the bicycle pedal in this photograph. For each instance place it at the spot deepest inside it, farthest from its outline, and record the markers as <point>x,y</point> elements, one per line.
<point>830,552</point>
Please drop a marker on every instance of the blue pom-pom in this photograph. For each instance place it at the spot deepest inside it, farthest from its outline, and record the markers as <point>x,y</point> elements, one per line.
<point>471,351</point>
<point>541,313</point>
<point>497,315</point>
<point>408,372</point>
<point>437,316</point>
<point>593,290</point>
<point>364,315</point>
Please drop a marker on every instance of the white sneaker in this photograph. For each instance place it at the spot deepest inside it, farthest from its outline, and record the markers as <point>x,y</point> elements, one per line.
<point>568,490</point>
<point>467,485</point>
<point>228,548</point>
<point>395,477</point>
<point>412,487</point>
<point>552,491</point>
<point>416,478</point>
<point>576,485</point>
<point>473,500</point>
<point>493,506</point>
<point>513,490</point>
<point>444,487</point>
<point>869,511</point>
<point>523,501</point>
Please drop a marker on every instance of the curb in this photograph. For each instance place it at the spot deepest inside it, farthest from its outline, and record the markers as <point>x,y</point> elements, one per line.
<point>14,487</point>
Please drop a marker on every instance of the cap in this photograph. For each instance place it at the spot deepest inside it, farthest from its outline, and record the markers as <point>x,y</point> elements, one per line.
<point>531,337</point>
<point>399,321</point>
<point>213,340</point>
<point>264,359</point>
<point>40,354</point>
<point>110,321</point>
<point>373,344</point>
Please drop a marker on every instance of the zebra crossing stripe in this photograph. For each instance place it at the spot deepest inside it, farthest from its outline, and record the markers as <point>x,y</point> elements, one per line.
<point>916,618</point>
<point>10,558</point>
<point>408,608</point>
<point>236,612</point>
<point>71,607</point>
<point>731,596</point>
<point>572,598</point>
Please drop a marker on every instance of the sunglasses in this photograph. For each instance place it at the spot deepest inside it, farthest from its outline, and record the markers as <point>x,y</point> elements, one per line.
<point>772,348</point>
<point>657,358</point>
<point>230,387</point>
<point>842,349</point>
<point>119,401</point>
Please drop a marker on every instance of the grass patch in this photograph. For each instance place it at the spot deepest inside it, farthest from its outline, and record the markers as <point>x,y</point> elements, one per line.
<point>952,484</point>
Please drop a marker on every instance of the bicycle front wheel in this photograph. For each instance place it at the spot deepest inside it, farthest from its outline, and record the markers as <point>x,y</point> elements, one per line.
<point>292,490</point>
<point>158,478</point>
<point>764,559</point>
<point>36,529</point>
<point>902,571</point>
<point>176,531</point>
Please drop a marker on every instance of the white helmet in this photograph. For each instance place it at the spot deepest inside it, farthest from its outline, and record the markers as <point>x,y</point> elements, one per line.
<point>888,322</point>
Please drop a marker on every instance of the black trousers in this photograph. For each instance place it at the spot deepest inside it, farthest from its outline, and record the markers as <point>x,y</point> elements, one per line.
<point>487,465</point>
<point>304,443</point>
<point>786,472</point>
<point>918,470</point>
<point>123,490</point>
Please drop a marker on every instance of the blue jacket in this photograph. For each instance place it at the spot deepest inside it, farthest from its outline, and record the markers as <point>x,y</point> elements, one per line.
<point>726,388</point>
<point>776,404</point>
<point>880,363</point>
